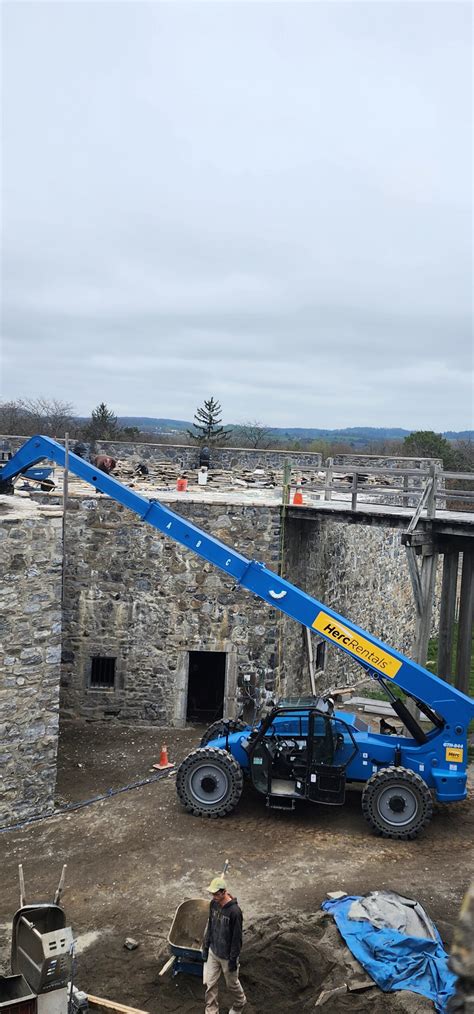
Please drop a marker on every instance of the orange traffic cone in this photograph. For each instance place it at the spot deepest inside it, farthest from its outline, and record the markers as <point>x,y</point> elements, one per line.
<point>298,495</point>
<point>164,762</point>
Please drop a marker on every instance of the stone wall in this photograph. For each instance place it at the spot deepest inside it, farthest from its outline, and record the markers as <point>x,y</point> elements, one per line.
<point>186,456</point>
<point>369,461</point>
<point>227,458</point>
<point>359,571</point>
<point>136,596</point>
<point>30,652</point>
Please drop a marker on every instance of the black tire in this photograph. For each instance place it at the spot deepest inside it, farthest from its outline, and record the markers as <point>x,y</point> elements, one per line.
<point>209,782</point>
<point>397,803</point>
<point>220,727</point>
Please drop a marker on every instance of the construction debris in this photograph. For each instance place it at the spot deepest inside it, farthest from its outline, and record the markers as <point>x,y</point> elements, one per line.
<point>328,994</point>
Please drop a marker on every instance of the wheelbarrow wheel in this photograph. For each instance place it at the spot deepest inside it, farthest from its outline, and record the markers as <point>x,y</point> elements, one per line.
<point>220,727</point>
<point>209,782</point>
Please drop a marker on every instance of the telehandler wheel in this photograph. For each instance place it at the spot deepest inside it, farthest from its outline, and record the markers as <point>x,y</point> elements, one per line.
<point>219,729</point>
<point>209,782</point>
<point>397,803</point>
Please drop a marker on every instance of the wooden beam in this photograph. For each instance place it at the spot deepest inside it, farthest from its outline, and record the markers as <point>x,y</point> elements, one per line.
<point>422,503</point>
<point>423,623</point>
<point>466,616</point>
<point>447,615</point>
<point>417,539</point>
<point>121,1008</point>
<point>415,579</point>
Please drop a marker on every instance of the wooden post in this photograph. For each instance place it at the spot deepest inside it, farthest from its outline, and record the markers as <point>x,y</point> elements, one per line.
<point>286,483</point>
<point>405,491</point>
<point>328,483</point>
<point>415,579</point>
<point>466,616</point>
<point>431,502</point>
<point>354,492</point>
<point>423,622</point>
<point>309,648</point>
<point>447,615</point>
<point>65,495</point>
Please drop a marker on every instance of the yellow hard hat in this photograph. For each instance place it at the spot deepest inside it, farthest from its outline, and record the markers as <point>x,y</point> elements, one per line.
<point>218,884</point>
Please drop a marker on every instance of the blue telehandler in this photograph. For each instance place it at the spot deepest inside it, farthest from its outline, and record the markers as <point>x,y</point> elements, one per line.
<point>305,748</point>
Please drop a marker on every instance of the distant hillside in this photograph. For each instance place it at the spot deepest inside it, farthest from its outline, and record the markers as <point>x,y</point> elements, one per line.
<point>356,436</point>
<point>146,424</point>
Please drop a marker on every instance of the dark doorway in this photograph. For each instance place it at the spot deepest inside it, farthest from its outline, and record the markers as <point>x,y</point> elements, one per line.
<point>206,684</point>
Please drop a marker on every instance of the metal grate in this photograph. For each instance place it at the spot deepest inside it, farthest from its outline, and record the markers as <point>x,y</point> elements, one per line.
<point>102,672</point>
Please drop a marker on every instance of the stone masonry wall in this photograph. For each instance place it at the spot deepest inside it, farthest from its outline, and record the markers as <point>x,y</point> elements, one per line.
<point>142,599</point>
<point>30,652</point>
<point>186,456</point>
<point>139,597</point>
<point>360,572</point>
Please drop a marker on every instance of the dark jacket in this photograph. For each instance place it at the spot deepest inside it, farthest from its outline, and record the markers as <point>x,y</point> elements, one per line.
<point>224,930</point>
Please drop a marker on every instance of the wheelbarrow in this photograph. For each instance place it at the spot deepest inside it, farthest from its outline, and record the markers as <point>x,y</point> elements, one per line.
<point>186,936</point>
<point>43,476</point>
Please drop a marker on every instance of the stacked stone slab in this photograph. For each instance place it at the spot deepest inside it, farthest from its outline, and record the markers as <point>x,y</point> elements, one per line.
<point>30,656</point>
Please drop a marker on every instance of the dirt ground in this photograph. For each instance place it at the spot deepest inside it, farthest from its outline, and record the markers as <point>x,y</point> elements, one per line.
<point>134,857</point>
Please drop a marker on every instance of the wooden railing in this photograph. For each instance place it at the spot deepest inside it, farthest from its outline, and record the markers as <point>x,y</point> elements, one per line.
<point>428,489</point>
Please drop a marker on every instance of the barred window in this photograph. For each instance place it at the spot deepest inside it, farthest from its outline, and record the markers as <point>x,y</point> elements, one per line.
<point>102,672</point>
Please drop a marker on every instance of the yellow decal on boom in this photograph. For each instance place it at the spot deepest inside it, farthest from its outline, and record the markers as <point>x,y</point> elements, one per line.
<point>357,645</point>
<point>454,754</point>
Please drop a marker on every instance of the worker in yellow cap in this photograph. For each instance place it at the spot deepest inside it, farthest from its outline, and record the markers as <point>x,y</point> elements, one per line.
<point>221,948</point>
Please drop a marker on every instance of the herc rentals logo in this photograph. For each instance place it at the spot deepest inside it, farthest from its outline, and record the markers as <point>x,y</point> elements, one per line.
<point>357,645</point>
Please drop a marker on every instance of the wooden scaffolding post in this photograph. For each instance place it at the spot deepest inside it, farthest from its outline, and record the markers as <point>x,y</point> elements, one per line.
<point>466,616</point>
<point>423,620</point>
<point>447,615</point>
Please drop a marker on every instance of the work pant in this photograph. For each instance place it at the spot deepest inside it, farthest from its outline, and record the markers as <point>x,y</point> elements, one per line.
<point>213,968</point>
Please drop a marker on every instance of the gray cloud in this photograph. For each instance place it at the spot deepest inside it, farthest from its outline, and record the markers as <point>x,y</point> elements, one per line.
<point>269,202</point>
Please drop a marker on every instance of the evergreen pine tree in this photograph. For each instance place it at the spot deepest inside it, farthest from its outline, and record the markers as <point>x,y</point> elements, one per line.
<point>103,424</point>
<point>207,420</point>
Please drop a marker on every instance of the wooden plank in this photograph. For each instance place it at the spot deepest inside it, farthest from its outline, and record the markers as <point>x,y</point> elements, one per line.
<point>466,617</point>
<point>423,500</point>
<point>167,965</point>
<point>447,613</point>
<point>121,1008</point>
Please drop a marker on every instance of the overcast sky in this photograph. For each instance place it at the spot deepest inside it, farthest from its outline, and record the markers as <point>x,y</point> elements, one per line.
<point>269,203</point>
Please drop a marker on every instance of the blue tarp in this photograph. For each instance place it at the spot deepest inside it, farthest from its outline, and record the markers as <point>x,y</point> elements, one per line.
<point>394,960</point>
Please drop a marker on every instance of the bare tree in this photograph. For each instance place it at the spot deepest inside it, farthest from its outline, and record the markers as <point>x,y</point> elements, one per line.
<point>36,415</point>
<point>253,434</point>
<point>50,416</point>
<point>12,419</point>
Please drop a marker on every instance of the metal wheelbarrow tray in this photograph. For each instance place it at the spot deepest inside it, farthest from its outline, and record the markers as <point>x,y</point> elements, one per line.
<point>186,935</point>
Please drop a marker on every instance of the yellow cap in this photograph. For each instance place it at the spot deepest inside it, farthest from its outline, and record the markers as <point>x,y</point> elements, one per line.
<point>218,884</point>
